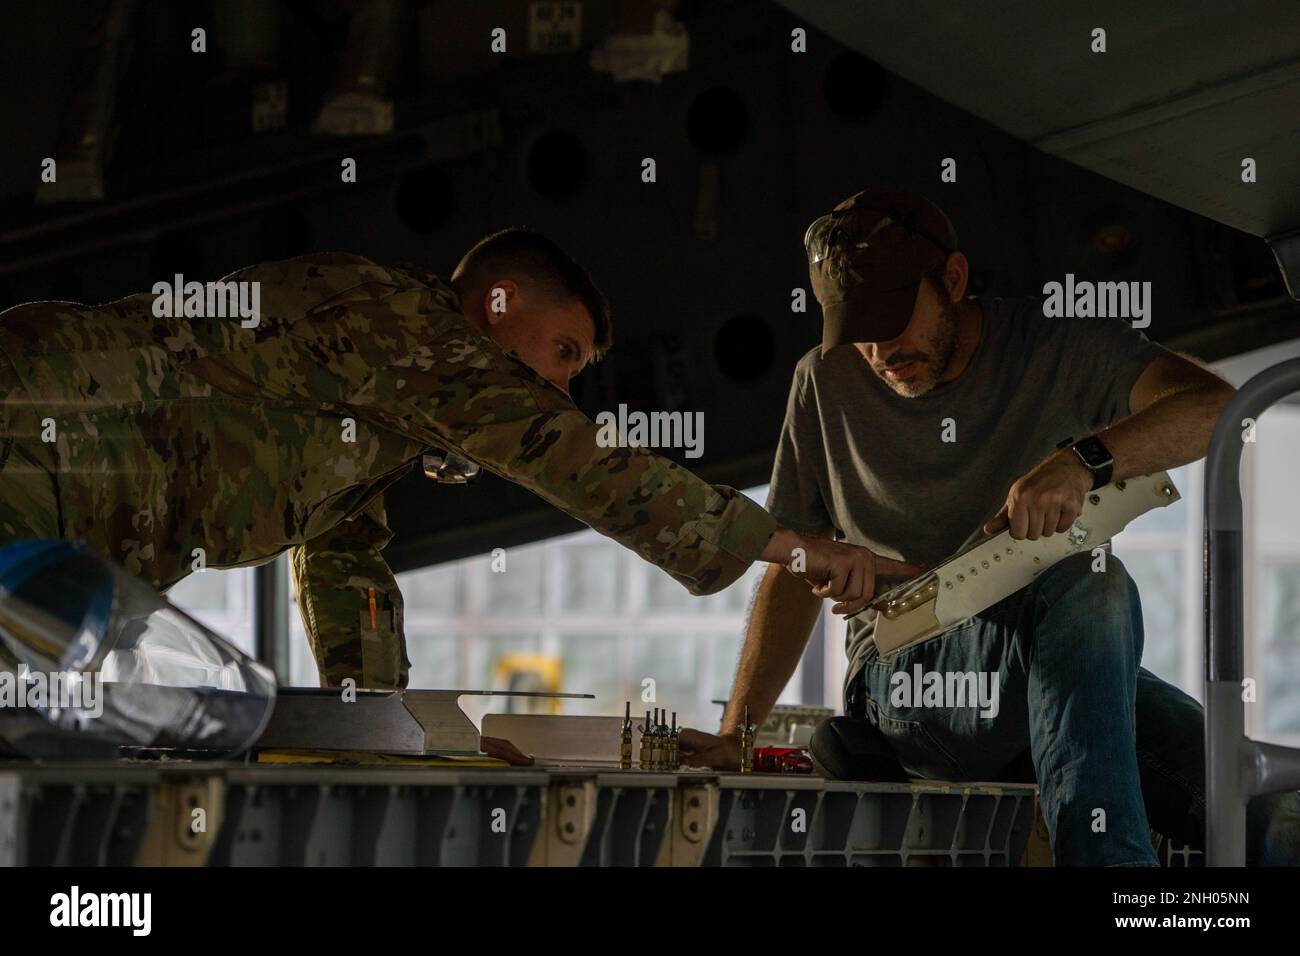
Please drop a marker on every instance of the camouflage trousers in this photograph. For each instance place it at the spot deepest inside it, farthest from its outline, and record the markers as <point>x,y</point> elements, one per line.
<point>374,656</point>
<point>370,652</point>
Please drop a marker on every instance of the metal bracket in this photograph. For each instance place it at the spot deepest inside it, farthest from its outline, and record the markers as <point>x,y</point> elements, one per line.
<point>572,814</point>
<point>1286,250</point>
<point>568,815</point>
<point>695,812</point>
<point>998,566</point>
<point>413,722</point>
<point>171,839</point>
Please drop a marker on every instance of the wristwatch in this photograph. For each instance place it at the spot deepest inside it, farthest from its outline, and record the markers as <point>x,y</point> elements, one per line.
<point>1096,457</point>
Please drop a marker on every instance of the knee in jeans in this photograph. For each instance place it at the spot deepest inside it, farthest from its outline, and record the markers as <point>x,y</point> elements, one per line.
<point>1100,583</point>
<point>1098,590</point>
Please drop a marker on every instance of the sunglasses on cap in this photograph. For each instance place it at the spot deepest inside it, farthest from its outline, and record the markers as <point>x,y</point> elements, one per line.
<point>848,232</point>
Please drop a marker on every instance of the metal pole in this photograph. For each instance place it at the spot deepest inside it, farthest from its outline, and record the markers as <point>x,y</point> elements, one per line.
<point>1232,774</point>
<point>271,617</point>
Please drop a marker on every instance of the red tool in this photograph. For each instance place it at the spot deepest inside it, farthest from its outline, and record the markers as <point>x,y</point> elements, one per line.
<point>782,760</point>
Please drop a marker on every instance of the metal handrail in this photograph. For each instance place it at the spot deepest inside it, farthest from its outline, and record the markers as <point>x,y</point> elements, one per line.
<point>1236,767</point>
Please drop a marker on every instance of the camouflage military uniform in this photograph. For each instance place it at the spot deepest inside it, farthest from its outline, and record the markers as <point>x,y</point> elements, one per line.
<point>176,434</point>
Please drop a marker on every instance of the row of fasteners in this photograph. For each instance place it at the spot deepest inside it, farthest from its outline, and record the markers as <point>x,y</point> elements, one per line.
<point>659,742</point>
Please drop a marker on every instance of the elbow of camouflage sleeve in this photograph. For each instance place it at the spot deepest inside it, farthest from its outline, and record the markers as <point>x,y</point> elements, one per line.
<point>742,532</point>
<point>722,575</point>
<point>746,529</point>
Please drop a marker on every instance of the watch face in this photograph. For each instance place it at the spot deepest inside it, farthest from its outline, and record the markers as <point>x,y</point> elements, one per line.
<point>1093,452</point>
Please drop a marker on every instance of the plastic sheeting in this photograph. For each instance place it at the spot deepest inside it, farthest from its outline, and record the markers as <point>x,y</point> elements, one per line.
<point>98,653</point>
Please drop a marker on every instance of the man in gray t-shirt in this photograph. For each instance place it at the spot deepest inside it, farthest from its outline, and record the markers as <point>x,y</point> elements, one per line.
<point>926,420</point>
<point>915,478</point>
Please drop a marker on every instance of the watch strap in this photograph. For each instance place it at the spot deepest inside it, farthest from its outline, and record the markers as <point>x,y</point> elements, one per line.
<point>1100,473</point>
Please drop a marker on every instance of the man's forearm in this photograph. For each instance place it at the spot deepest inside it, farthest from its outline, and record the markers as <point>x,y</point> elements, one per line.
<point>1169,432</point>
<point>781,546</point>
<point>782,618</point>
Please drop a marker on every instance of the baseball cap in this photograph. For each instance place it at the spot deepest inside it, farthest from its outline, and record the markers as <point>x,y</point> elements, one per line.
<point>866,259</point>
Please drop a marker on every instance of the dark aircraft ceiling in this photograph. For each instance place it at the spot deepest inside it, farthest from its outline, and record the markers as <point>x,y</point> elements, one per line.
<point>1185,90</point>
<point>1122,166</point>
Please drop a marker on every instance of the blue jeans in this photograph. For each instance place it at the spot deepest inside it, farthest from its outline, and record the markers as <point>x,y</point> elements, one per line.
<point>1075,713</point>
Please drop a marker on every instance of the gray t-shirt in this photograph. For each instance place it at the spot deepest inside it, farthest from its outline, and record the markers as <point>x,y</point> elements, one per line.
<point>859,459</point>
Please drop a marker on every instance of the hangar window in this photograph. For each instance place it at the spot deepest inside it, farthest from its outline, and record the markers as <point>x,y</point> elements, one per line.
<point>578,613</point>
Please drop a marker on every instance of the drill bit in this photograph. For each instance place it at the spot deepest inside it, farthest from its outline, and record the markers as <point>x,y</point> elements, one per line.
<point>747,744</point>
<point>674,760</point>
<point>647,744</point>
<point>661,745</point>
<point>625,740</point>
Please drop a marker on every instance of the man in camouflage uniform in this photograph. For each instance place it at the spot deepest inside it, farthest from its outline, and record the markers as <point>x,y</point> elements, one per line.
<point>164,442</point>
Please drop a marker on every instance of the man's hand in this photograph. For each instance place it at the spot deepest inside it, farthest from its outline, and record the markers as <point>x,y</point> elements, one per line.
<point>698,749</point>
<point>503,749</point>
<point>845,573</point>
<point>1046,500</point>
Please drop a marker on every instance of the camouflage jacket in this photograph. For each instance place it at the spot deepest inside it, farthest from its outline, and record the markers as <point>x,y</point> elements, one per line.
<point>177,434</point>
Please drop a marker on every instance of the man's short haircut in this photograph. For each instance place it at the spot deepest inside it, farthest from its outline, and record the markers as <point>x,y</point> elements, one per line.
<point>519,252</point>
